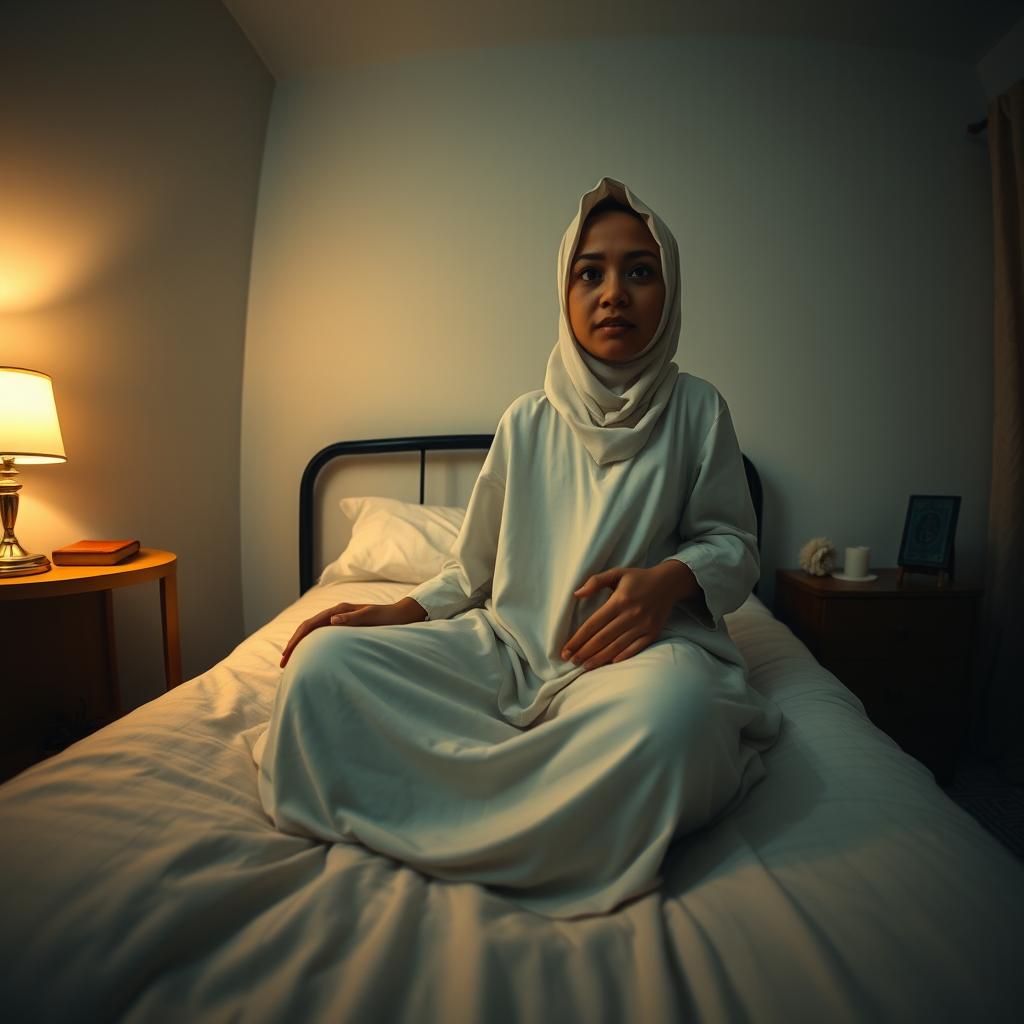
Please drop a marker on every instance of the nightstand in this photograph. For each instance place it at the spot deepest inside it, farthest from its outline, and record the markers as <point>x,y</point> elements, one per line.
<point>59,660</point>
<point>905,651</point>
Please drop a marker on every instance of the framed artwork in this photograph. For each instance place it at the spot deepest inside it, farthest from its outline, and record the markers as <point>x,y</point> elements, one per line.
<point>928,534</point>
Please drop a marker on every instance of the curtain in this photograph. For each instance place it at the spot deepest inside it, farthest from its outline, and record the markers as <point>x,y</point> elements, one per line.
<point>997,730</point>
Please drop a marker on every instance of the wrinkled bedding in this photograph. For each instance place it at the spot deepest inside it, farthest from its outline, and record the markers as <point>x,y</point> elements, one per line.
<point>141,881</point>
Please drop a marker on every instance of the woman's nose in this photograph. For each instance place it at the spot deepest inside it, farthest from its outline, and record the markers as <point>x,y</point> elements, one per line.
<point>614,293</point>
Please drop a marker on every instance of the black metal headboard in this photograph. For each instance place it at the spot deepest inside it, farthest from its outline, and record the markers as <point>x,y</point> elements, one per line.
<point>431,443</point>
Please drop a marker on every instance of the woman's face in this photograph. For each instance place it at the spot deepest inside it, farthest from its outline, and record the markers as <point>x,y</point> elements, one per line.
<point>615,275</point>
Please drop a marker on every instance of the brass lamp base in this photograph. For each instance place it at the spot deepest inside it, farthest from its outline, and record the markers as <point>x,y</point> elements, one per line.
<point>16,561</point>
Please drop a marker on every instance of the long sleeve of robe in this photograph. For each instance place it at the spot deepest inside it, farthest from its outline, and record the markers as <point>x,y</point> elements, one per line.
<point>718,527</point>
<point>543,517</point>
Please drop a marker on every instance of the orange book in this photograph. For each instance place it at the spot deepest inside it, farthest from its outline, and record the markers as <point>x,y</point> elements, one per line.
<point>95,552</point>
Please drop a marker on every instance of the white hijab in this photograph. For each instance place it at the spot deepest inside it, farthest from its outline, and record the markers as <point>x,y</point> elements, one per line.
<point>613,407</point>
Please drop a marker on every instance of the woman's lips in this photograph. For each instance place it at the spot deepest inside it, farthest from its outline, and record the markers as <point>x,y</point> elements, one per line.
<point>613,328</point>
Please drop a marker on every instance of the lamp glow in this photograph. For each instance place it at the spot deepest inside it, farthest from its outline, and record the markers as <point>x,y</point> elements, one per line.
<point>29,434</point>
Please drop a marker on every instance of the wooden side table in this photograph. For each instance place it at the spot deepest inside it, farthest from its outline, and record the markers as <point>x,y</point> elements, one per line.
<point>59,652</point>
<point>906,651</point>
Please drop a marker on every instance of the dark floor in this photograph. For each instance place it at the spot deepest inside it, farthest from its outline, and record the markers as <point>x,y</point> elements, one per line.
<point>980,788</point>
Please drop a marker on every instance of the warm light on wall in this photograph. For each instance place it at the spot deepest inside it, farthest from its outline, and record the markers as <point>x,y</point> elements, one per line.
<point>49,251</point>
<point>35,273</point>
<point>29,434</point>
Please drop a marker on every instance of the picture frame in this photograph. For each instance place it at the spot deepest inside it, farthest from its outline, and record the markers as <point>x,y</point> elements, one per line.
<point>929,533</point>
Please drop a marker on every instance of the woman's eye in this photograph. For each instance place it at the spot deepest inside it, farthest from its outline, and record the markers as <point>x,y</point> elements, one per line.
<point>640,272</point>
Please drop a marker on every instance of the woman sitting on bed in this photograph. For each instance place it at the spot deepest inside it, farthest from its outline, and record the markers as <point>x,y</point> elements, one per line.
<point>563,700</point>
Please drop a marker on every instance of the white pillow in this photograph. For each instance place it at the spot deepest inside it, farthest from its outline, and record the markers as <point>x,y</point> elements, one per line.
<point>394,540</point>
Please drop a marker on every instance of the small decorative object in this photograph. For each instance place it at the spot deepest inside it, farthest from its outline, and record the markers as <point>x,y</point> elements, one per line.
<point>855,568</point>
<point>95,552</point>
<point>928,534</point>
<point>818,556</point>
<point>29,435</point>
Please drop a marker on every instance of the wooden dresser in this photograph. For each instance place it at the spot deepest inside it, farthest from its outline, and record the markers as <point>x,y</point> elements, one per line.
<point>905,651</point>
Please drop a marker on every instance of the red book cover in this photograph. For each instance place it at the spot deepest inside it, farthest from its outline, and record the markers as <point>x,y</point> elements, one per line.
<point>95,552</point>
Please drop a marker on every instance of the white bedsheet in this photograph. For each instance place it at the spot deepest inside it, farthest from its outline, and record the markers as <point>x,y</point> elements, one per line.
<point>142,882</point>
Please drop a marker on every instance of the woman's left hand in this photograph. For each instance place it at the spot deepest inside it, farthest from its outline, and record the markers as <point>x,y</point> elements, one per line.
<point>632,618</point>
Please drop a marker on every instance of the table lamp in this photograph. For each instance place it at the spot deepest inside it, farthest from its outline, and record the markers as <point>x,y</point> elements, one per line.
<point>30,435</point>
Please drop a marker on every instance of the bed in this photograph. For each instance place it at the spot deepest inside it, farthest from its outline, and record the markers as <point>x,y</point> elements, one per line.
<point>143,882</point>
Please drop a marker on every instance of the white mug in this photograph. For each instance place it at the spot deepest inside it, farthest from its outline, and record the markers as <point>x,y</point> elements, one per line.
<point>856,561</point>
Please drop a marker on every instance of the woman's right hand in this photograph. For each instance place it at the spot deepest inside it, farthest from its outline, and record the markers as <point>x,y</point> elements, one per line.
<point>398,614</point>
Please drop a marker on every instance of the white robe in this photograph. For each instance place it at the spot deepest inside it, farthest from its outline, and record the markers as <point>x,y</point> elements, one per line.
<point>466,747</point>
<point>544,516</point>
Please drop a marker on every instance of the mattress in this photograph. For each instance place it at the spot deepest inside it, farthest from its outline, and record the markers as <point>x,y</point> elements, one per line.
<point>141,881</point>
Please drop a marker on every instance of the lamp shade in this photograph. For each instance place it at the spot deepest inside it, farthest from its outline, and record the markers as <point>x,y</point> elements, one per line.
<point>29,431</point>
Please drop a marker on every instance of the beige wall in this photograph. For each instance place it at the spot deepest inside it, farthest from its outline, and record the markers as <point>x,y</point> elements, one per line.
<point>131,137</point>
<point>833,220</point>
